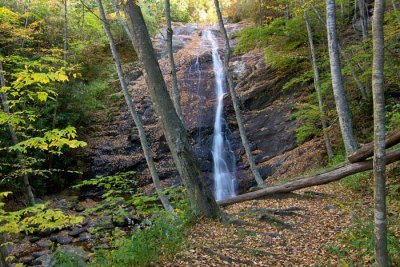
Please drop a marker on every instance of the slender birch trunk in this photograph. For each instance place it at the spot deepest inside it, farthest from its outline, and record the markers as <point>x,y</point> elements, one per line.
<point>379,161</point>
<point>342,107</point>
<point>342,9</point>
<point>201,198</point>
<point>235,99</point>
<point>317,86</point>
<point>175,87</point>
<point>14,138</point>
<point>134,114</point>
<point>120,19</point>
<point>363,91</point>
<point>363,17</point>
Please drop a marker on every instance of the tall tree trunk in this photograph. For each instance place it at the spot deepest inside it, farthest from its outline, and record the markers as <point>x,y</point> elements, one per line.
<point>317,86</point>
<point>235,99</point>
<point>287,11</point>
<point>176,92</point>
<point>342,9</point>
<point>201,198</point>
<point>346,58</point>
<point>395,8</point>
<point>379,134</point>
<point>355,14</point>
<point>14,138</point>
<point>134,114</point>
<point>121,21</point>
<point>65,58</point>
<point>260,19</point>
<point>343,110</point>
<point>363,17</point>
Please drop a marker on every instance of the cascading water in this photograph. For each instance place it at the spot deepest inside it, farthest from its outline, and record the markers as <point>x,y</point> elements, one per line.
<point>195,70</point>
<point>223,157</point>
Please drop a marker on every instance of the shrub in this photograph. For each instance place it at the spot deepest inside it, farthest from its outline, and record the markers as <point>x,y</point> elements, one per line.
<point>146,247</point>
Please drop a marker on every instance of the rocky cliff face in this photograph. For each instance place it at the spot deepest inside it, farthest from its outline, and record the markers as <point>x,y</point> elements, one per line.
<point>113,143</point>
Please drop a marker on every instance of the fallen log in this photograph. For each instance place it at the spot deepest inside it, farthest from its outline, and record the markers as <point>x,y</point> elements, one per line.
<point>311,180</point>
<point>367,150</point>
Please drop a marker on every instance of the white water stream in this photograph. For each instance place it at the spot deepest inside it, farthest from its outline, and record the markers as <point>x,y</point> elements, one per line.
<point>223,157</point>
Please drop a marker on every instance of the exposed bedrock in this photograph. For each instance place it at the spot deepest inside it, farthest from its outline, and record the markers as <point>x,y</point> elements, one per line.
<point>113,142</point>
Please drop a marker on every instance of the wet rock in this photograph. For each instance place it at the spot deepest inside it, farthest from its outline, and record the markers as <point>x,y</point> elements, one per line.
<point>83,237</point>
<point>26,259</point>
<point>53,238</point>
<point>46,232</point>
<point>63,238</point>
<point>79,208</point>
<point>85,221</point>
<point>77,231</point>
<point>43,243</point>
<point>102,246</point>
<point>43,260</point>
<point>266,171</point>
<point>62,204</point>
<point>103,222</point>
<point>40,253</point>
<point>33,238</point>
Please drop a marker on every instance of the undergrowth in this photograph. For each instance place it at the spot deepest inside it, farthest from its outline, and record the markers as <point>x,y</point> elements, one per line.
<point>146,247</point>
<point>356,244</point>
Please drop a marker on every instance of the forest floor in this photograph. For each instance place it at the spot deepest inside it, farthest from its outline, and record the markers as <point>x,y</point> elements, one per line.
<point>286,230</point>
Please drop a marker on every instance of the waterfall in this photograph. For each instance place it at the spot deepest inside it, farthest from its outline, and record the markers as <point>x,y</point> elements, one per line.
<point>223,157</point>
<point>195,70</point>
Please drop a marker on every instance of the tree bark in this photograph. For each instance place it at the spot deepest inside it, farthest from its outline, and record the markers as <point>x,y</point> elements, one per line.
<point>14,138</point>
<point>343,110</point>
<point>311,180</point>
<point>342,10</point>
<point>360,86</point>
<point>367,150</point>
<point>363,17</point>
<point>121,21</point>
<point>175,87</point>
<point>200,195</point>
<point>317,86</point>
<point>136,118</point>
<point>381,251</point>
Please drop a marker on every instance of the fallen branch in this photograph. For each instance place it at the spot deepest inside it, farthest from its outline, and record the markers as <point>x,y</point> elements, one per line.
<point>367,150</point>
<point>311,180</point>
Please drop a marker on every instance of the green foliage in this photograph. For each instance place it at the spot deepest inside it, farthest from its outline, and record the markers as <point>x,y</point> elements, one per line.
<point>251,38</point>
<point>308,116</point>
<point>393,117</point>
<point>283,42</point>
<point>53,141</point>
<point>360,182</point>
<point>150,204</point>
<point>359,244</point>
<point>31,91</point>
<point>162,240</point>
<point>61,259</point>
<point>299,80</point>
<point>116,185</point>
<point>33,219</point>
